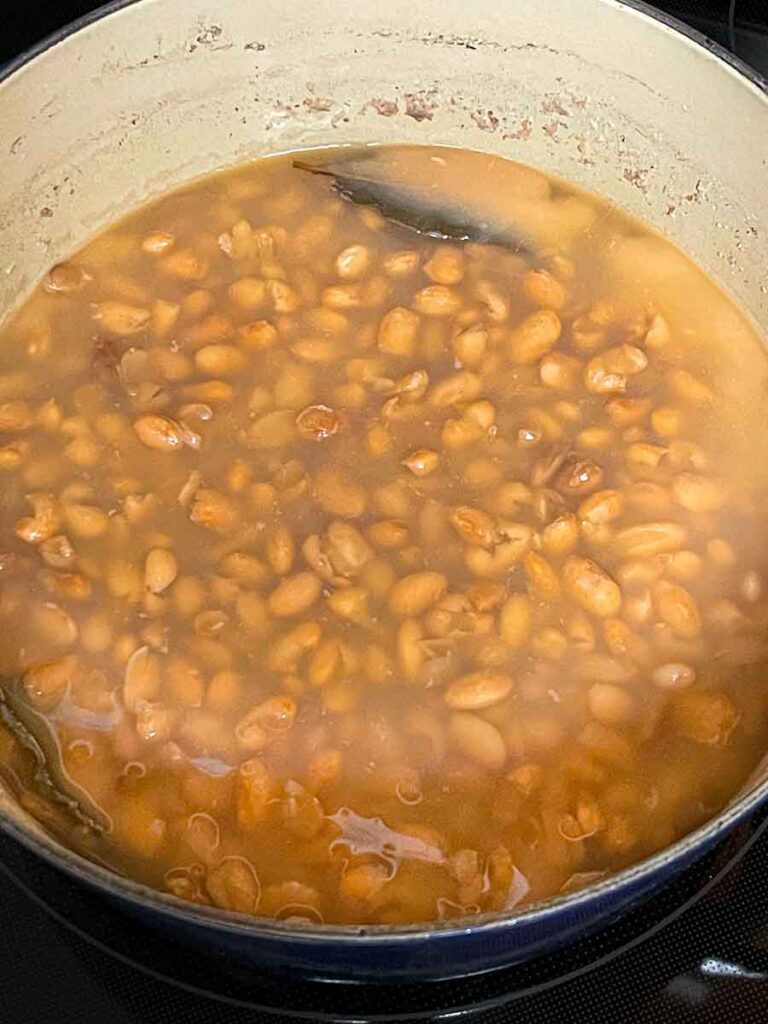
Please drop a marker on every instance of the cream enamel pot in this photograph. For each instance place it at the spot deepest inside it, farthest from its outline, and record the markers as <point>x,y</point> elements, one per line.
<point>142,96</point>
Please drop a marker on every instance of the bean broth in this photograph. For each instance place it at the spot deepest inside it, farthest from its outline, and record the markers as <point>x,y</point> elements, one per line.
<point>352,576</point>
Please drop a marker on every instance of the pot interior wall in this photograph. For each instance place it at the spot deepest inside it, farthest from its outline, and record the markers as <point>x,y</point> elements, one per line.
<point>163,90</point>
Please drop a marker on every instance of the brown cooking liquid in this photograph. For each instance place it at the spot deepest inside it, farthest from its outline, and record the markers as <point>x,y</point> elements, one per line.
<point>353,576</point>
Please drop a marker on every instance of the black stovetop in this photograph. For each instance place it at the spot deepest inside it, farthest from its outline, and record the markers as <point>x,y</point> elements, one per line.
<point>697,953</point>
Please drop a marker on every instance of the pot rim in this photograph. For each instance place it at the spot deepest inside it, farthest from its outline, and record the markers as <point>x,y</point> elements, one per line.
<point>121,886</point>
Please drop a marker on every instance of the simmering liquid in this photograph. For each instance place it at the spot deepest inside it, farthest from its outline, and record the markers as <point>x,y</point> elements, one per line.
<point>353,576</point>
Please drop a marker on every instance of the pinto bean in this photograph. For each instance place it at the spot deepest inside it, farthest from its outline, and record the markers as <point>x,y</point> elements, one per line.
<point>649,539</point>
<point>534,337</point>
<point>398,331</point>
<point>295,594</point>
<point>160,570</point>
<point>414,593</point>
<point>591,586</point>
<point>477,690</point>
<point>478,740</point>
<point>678,608</point>
<point>543,581</point>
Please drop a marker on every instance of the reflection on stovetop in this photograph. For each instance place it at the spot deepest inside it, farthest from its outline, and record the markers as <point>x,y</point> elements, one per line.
<point>695,952</point>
